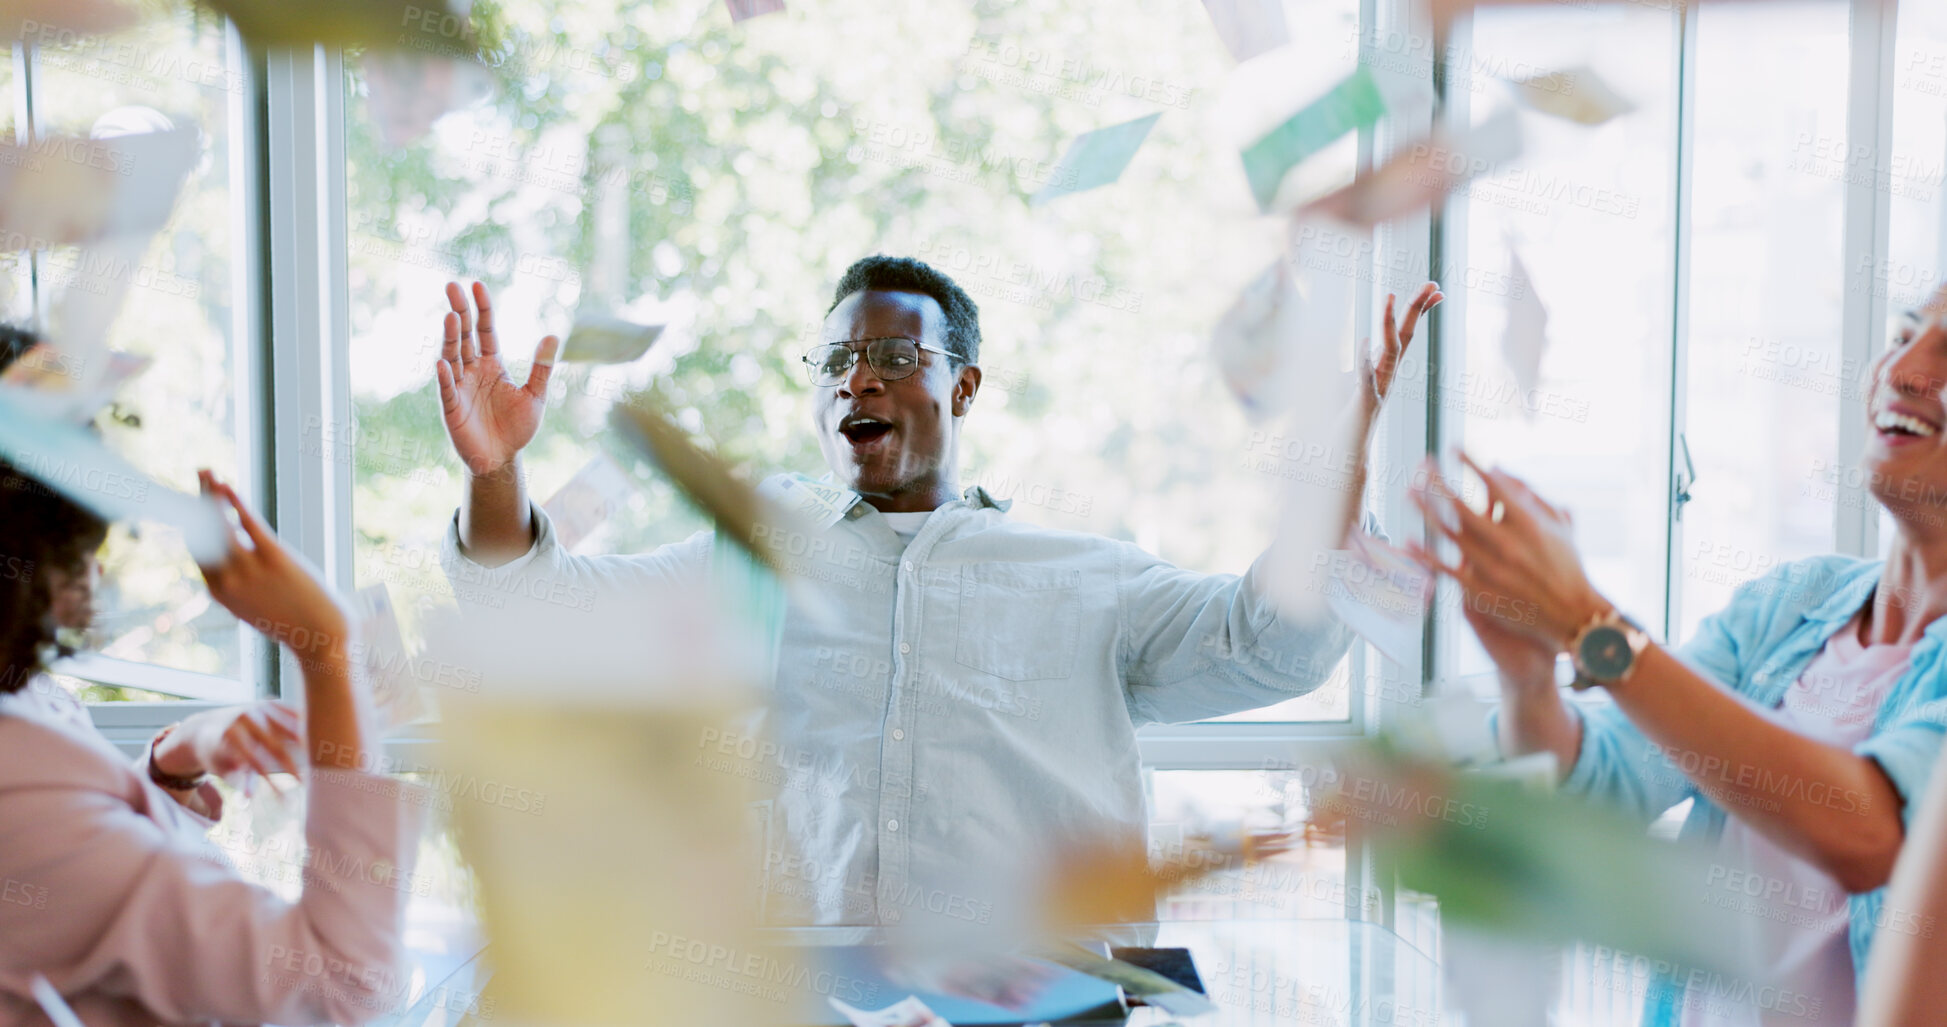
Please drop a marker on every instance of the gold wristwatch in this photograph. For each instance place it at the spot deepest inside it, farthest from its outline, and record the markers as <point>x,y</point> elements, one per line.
<point>1604,651</point>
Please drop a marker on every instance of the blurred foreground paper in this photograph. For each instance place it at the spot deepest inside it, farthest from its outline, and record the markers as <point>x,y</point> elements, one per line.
<point>1507,860</point>
<point>742,9</point>
<point>1349,106</point>
<point>1423,174</point>
<point>1313,506</point>
<point>37,20</point>
<point>907,1012</point>
<point>1095,159</point>
<point>1526,337</point>
<point>66,458</point>
<point>600,339</point>
<point>588,500</point>
<point>741,515</point>
<point>1577,94</point>
<point>613,846</point>
<point>1380,594</point>
<point>62,190</point>
<point>406,92</point>
<point>429,26</point>
<point>396,693</point>
<point>47,370</point>
<point>1249,27</point>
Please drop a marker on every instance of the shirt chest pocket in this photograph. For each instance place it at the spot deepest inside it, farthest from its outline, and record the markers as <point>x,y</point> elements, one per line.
<point>1019,623</point>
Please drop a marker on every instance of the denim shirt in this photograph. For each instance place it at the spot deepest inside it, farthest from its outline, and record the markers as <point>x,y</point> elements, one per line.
<point>1758,646</point>
<point>964,700</point>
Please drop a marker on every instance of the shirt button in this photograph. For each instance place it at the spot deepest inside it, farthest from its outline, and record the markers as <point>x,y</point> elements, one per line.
<point>892,825</point>
<point>905,647</point>
<point>908,565</point>
<point>898,734</point>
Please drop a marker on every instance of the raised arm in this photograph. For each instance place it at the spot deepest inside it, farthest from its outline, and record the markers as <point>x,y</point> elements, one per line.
<point>489,419</point>
<point>128,910</point>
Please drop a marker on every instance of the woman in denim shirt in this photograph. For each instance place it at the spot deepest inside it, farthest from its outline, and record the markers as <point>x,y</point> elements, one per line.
<point>1810,709</point>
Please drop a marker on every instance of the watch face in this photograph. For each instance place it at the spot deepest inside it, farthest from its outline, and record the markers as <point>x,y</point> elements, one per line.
<point>1605,654</point>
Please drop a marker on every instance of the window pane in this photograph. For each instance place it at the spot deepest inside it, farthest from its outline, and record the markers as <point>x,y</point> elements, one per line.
<point>16,271</point>
<point>1589,211</point>
<point>1767,287</point>
<point>173,70</point>
<point>721,177</point>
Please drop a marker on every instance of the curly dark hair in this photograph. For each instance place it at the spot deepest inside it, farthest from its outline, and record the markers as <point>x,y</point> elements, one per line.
<point>904,274</point>
<point>40,530</point>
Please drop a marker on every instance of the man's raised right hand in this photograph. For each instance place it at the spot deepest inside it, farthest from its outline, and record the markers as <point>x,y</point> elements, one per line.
<point>488,417</point>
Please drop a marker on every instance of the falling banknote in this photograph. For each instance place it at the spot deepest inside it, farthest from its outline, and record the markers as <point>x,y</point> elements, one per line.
<point>1249,27</point>
<point>1095,159</point>
<point>69,460</point>
<point>1424,173</point>
<point>1575,94</point>
<point>1353,104</point>
<point>64,190</point>
<point>425,25</point>
<point>600,339</point>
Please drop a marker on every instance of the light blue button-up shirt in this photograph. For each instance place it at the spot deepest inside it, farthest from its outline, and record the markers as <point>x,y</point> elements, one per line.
<point>966,698</point>
<point>1758,646</point>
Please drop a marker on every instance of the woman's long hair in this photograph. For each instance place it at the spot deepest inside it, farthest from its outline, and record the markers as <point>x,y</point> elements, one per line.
<point>40,531</point>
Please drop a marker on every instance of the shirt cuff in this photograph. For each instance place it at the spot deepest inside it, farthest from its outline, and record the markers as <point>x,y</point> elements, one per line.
<point>461,568</point>
<point>1906,753</point>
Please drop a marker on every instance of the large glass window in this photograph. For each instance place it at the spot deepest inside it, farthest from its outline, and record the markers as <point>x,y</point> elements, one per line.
<point>1581,223</point>
<point>1767,293</point>
<point>159,634</point>
<point>719,177</point>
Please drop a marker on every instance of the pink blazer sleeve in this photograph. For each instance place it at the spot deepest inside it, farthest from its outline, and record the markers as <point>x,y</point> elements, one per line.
<point>124,901</point>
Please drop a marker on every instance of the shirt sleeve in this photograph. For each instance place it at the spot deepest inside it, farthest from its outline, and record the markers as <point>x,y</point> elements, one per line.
<point>1906,752</point>
<point>1205,645</point>
<point>127,909</point>
<point>1618,763</point>
<point>548,573</point>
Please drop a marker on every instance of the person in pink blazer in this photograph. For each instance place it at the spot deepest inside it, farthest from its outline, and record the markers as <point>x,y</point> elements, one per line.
<point>108,887</point>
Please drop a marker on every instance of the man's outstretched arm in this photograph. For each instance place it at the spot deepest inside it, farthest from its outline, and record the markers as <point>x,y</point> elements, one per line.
<point>489,419</point>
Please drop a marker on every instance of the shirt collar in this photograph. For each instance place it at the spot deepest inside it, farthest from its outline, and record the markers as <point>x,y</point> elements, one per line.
<point>1851,592</point>
<point>978,496</point>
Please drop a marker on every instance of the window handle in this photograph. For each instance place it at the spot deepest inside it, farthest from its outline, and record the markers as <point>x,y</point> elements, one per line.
<point>1684,479</point>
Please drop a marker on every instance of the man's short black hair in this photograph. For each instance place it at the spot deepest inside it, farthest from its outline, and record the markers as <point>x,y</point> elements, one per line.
<point>904,274</point>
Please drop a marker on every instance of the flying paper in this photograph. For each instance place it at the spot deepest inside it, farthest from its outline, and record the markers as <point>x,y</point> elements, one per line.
<point>1576,94</point>
<point>599,339</point>
<point>742,9</point>
<point>742,515</point>
<point>65,190</point>
<point>907,1012</point>
<point>67,459</point>
<point>24,19</point>
<point>1355,103</point>
<point>406,92</point>
<point>1505,859</point>
<point>1381,594</point>
<point>1526,336</point>
<point>426,25</point>
<point>1251,341</point>
<point>396,696</point>
<point>1423,175</point>
<point>1095,159</point>
<point>1249,27</point>
<point>588,500</point>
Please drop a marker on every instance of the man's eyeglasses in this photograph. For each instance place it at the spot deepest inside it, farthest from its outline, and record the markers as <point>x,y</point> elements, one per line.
<point>891,359</point>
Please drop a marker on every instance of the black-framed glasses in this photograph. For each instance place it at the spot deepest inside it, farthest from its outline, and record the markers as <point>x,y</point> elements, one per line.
<point>890,358</point>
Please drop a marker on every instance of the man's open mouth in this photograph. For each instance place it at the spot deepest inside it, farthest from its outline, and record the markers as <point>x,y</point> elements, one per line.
<point>863,431</point>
